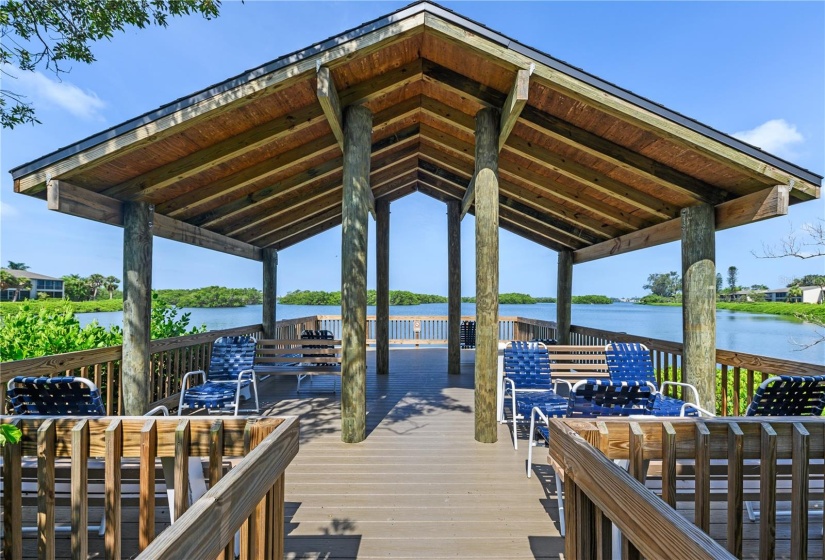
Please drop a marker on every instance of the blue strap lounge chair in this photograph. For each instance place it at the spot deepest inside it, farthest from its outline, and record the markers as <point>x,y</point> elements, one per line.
<point>228,381</point>
<point>68,396</point>
<point>789,395</point>
<point>528,382</point>
<point>590,398</point>
<point>630,361</point>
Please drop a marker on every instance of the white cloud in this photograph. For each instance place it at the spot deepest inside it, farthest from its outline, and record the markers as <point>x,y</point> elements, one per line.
<point>42,89</point>
<point>7,210</point>
<point>776,136</point>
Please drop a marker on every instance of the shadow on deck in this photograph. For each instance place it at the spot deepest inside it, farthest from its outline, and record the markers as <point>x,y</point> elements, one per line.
<point>419,486</point>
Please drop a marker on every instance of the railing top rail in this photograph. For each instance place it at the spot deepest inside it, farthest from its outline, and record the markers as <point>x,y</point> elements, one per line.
<point>211,522</point>
<point>614,435</point>
<point>282,322</point>
<point>657,530</point>
<point>233,428</point>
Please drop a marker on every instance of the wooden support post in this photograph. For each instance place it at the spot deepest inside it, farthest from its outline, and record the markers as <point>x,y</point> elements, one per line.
<point>699,302</point>
<point>564,296</point>
<point>454,287</point>
<point>270,289</point>
<point>138,218</point>
<point>486,203</point>
<point>356,183</point>
<point>382,292</point>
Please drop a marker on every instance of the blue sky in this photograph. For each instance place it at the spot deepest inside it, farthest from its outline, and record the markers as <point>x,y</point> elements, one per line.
<point>756,70</point>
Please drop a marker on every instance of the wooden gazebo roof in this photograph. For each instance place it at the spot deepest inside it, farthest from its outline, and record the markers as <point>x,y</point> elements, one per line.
<point>256,161</point>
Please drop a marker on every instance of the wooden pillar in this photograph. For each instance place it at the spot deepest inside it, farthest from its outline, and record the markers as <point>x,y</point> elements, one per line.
<point>356,183</point>
<point>564,297</point>
<point>137,306</point>
<point>486,203</point>
<point>382,292</point>
<point>454,287</point>
<point>270,265</point>
<point>699,301</point>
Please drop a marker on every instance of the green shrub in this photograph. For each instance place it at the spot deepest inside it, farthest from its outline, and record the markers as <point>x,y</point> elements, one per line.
<point>591,299</point>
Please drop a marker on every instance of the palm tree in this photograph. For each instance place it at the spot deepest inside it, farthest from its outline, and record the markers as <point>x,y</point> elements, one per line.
<point>95,281</point>
<point>110,283</point>
<point>7,281</point>
<point>17,266</point>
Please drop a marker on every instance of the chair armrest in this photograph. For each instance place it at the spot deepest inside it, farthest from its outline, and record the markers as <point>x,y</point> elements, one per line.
<point>685,385</point>
<point>566,382</point>
<point>537,412</point>
<point>158,410</point>
<point>246,372</point>
<point>191,373</point>
<point>511,382</point>
<point>701,410</point>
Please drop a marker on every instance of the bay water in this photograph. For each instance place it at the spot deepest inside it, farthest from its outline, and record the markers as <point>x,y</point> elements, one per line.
<point>752,333</point>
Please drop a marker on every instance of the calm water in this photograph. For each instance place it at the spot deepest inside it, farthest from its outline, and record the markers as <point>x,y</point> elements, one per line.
<point>770,335</point>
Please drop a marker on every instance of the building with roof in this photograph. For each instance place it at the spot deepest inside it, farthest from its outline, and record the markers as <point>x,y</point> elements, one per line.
<point>810,294</point>
<point>40,284</point>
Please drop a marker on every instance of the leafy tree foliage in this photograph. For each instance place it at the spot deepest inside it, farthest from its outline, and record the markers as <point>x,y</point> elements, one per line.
<point>592,299</point>
<point>733,273</point>
<point>718,282</point>
<point>95,282</point>
<point>213,296</point>
<point>75,288</point>
<point>808,280</point>
<point>111,284</point>
<point>28,331</point>
<point>51,33</point>
<point>17,266</point>
<point>664,285</point>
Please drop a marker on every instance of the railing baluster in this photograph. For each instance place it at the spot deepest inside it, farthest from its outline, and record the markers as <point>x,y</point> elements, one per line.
<point>636,468</point>
<point>110,375</point>
<point>146,502</point>
<point>13,498</point>
<point>737,385</point>
<point>702,485</point>
<point>45,490</point>
<point>216,473</point>
<point>114,451</point>
<point>736,453</point>
<point>669,464</point>
<point>80,490</point>
<point>750,386</point>
<point>724,391</point>
<point>800,453</point>
<point>182,440</point>
<point>767,493</point>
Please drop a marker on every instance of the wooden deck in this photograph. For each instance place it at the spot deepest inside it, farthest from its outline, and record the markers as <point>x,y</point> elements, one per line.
<point>419,486</point>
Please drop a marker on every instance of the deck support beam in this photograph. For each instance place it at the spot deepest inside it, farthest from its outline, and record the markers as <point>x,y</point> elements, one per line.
<point>699,301</point>
<point>382,287</point>
<point>564,297</point>
<point>270,288</point>
<point>138,218</point>
<point>454,287</point>
<point>356,185</point>
<point>486,212</point>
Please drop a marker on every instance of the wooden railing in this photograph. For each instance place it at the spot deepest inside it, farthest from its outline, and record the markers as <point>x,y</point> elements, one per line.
<point>171,358</point>
<point>415,329</point>
<point>250,497</point>
<point>738,373</point>
<point>706,460</point>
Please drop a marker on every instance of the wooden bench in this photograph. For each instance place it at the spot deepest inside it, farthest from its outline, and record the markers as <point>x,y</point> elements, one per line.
<point>299,357</point>
<point>574,363</point>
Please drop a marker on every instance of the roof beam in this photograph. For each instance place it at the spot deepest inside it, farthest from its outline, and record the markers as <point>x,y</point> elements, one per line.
<point>572,235</point>
<point>331,106</point>
<point>755,207</point>
<point>513,105</point>
<point>468,199</point>
<point>576,196</point>
<point>620,156</point>
<point>144,186</point>
<point>239,208</point>
<point>538,198</point>
<point>69,199</point>
<point>663,126</point>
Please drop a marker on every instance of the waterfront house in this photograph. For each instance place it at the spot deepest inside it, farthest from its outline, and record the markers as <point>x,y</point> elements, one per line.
<point>40,284</point>
<point>810,294</point>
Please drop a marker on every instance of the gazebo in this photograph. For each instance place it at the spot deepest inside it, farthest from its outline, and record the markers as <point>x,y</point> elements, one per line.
<point>422,100</point>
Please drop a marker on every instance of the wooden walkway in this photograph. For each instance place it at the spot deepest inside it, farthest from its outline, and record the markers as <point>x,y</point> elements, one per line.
<point>419,486</point>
